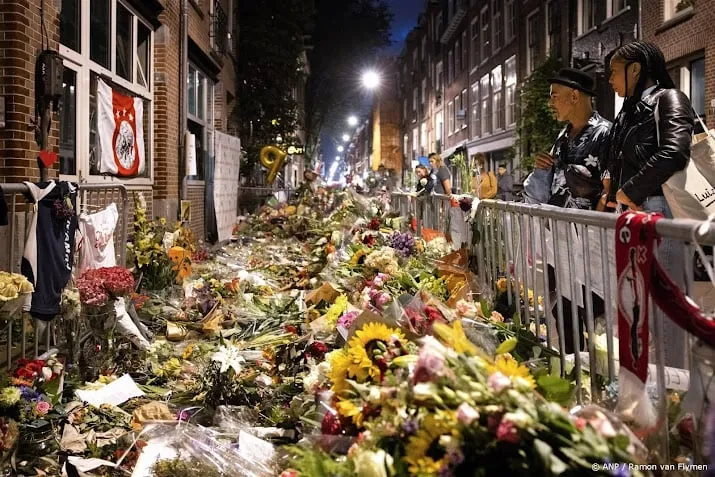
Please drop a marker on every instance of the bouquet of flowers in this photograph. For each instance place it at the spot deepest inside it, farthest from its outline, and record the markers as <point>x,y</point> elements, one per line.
<point>13,290</point>
<point>96,287</point>
<point>32,391</point>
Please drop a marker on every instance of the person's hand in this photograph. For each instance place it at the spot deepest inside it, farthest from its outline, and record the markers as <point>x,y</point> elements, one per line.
<point>622,198</point>
<point>544,161</point>
<point>602,203</point>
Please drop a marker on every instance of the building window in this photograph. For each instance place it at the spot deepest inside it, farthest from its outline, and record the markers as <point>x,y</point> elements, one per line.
<point>457,113</point>
<point>510,19</point>
<point>615,7</point>
<point>200,115</point>
<point>476,131</point>
<point>587,16</point>
<point>450,67</point>
<point>68,123</point>
<point>450,117</point>
<point>497,31</point>
<point>439,126</point>
<point>484,90</point>
<point>423,139</point>
<point>465,50</point>
<point>697,86</point>
<point>119,50</point>
<point>673,7</point>
<point>415,141</point>
<point>414,60</point>
<point>404,109</point>
<point>532,37</point>
<point>457,57</point>
<point>475,42</point>
<point>423,99</point>
<point>438,82</point>
<point>423,48</point>
<point>484,19</point>
<point>553,46</point>
<point>510,84</point>
<point>415,98</point>
<point>70,24</point>
<point>463,108</point>
<point>497,100</point>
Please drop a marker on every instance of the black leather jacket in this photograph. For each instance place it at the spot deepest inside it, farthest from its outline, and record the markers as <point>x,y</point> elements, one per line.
<point>638,162</point>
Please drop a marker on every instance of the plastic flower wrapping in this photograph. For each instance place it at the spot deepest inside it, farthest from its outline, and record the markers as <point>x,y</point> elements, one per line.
<point>12,285</point>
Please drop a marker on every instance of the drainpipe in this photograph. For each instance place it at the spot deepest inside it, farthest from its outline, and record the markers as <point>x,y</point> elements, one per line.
<point>183,92</point>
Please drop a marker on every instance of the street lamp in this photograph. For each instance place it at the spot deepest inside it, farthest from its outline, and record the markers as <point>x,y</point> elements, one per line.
<point>371,79</point>
<point>352,121</point>
<point>346,137</point>
<point>337,158</point>
<point>341,148</point>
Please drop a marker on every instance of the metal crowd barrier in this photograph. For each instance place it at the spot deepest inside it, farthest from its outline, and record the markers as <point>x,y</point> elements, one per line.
<point>519,243</point>
<point>90,198</point>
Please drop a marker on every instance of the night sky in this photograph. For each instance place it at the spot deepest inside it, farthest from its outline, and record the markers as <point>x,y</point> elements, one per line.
<point>405,18</point>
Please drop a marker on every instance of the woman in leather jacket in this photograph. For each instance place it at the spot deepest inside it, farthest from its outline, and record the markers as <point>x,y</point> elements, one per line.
<point>643,155</point>
<point>649,142</point>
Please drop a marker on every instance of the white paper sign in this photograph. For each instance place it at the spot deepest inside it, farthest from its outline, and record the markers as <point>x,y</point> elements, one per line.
<point>190,149</point>
<point>115,393</point>
<point>226,169</point>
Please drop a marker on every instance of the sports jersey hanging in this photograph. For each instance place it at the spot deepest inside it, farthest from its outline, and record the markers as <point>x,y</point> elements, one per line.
<point>49,250</point>
<point>121,132</point>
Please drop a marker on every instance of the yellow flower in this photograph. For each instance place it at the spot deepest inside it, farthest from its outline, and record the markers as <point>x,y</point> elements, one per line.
<point>374,332</point>
<point>347,408</point>
<point>188,351</point>
<point>501,285</point>
<point>508,366</point>
<point>336,309</point>
<point>338,374</point>
<point>355,259</point>
<point>454,337</point>
<point>428,440</point>
<point>361,366</point>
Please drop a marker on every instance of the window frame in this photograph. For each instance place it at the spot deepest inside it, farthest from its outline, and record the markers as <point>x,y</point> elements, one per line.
<point>552,22</point>
<point>509,21</point>
<point>582,29</point>
<point>497,34</point>
<point>485,32</point>
<point>81,63</point>
<point>611,11</point>
<point>450,118</point>
<point>496,77</point>
<point>476,112</point>
<point>484,104</point>
<point>510,82</point>
<point>532,49</point>
<point>464,106</point>
<point>476,48</point>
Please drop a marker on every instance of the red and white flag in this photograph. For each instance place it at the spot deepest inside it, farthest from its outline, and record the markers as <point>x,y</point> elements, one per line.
<point>121,132</point>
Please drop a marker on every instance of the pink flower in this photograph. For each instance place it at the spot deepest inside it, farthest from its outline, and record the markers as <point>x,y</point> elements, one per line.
<point>507,432</point>
<point>383,299</point>
<point>497,382</point>
<point>347,319</point>
<point>289,473</point>
<point>42,408</point>
<point>466,414</point>
<point>431,362</point>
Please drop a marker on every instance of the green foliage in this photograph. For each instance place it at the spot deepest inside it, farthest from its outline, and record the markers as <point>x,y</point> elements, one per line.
<point>537,128</point>
<point>269,67</point>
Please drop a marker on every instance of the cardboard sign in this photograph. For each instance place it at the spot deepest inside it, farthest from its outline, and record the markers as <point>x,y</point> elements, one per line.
<point>326,293</point>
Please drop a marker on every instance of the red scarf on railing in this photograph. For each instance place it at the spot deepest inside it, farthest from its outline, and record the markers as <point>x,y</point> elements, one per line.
<point>636,241</point>
<point>640,276</point>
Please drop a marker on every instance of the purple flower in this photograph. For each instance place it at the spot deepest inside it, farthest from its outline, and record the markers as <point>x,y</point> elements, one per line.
<point>183,415</point>
<point>410,427</point>
<point>29,394</point>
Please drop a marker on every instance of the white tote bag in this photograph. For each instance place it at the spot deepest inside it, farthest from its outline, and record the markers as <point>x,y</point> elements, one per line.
<point>691,192</point>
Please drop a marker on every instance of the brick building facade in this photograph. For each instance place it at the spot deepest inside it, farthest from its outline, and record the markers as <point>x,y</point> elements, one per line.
<point>683,30</point>
<point>135,46</point>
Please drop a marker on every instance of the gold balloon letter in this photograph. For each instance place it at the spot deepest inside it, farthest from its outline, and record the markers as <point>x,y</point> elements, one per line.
<point>273,159</point>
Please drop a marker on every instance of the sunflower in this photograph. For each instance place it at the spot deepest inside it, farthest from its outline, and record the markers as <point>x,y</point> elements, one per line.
<point>360,366</point>
<point>373,332</point>
<point>338,374</point>
<point>425,451</point>
<point>508,366</point>
<point>358,257</point>
<point>348,409</point>
<point>454,337</point>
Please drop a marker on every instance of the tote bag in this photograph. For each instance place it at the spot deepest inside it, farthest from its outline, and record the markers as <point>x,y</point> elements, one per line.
<point>691,192</point>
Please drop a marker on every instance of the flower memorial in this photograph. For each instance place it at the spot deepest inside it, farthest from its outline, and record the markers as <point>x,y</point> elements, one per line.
<point>327,340</point>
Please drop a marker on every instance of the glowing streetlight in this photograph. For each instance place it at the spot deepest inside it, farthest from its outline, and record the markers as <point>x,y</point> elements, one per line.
<point>346,137</point>
<point>341,148</point>
<point>352,121</point>
<point>337,159</point>
<point>371,79</point>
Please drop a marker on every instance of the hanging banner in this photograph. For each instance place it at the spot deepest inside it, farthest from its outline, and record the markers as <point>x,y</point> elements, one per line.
<point>636,241</point>
<point>190,149</point>
<point>121,132</point>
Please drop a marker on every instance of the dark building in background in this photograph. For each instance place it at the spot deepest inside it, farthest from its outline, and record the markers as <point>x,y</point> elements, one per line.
<point>597,29</point>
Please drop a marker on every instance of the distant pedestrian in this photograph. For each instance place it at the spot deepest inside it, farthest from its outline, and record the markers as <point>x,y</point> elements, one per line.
<point>440,175</point>
<point>505,184</point>
<point>424,181</point>
<point>485,184</point>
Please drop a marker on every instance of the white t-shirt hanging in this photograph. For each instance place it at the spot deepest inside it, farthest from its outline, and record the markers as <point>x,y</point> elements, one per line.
<point>121,132</point>
<point>97,247</point>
